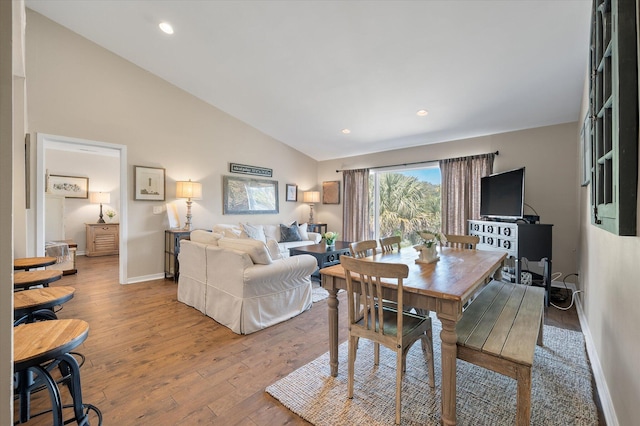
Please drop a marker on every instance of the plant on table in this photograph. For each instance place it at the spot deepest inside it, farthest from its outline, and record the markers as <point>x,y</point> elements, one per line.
<point>330,237</point>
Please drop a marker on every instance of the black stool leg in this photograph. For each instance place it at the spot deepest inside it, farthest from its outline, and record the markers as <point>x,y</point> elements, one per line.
<point>70,369</point>
<point>26,384</point>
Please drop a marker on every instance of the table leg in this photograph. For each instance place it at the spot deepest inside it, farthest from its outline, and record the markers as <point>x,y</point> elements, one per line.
<point>332,304</point>
<point>449,349</point>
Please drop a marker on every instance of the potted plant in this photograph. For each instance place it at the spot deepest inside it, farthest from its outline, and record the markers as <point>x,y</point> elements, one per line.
<point>427,250</point>
<point>110,214</point>
<point>330,237</point>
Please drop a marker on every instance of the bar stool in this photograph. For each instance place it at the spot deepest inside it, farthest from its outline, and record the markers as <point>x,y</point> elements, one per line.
<point>27,263</point>
<point>38,347</point>
<point>25,279</point>
<point>36,304</point>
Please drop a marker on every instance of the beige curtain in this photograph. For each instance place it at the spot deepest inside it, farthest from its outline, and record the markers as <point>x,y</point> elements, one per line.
<point>461,190</point>
<point>355,209</point>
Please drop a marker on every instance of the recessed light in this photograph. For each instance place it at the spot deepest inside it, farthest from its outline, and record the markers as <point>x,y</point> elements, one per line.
<point>346,131</point>
<point>166,27</point>
<point>422,112</point>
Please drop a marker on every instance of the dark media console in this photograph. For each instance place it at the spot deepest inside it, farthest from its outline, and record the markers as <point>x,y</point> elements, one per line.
<point>519,240</point>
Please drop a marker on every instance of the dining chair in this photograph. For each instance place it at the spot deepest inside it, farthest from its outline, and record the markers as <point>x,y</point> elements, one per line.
<point>462,241</point>
<point>387,244</point>
<point>361,248</point>
<point>392,328</point>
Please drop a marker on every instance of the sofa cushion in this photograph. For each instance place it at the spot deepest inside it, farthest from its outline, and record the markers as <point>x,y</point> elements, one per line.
<point>205,237</point>
<point>302,228</point>
<point>255,232</point>
<point>290,233</point>
<point>257,250</point>
<point>230,231</point>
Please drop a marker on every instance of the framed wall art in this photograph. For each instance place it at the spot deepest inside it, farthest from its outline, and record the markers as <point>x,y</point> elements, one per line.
<point>69,186</point>
<point>148,183</point>
<point>292,192</point>
<point>331,192</point>
<point>249,196</point>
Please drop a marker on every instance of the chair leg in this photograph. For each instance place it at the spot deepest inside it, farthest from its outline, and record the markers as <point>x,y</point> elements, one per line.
<point>427,347</point>
<point>399,363</point>
<point>353,348</point>
<point>376,353</point>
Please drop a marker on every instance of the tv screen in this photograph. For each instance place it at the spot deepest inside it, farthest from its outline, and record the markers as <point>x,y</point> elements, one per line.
<point>502,195</point>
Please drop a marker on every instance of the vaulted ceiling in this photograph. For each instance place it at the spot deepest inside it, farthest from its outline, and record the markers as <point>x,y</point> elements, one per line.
<point>302,71</point>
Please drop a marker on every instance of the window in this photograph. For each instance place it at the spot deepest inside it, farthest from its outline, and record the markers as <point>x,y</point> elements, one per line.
<point>614,116</point>
<point>404,201</point>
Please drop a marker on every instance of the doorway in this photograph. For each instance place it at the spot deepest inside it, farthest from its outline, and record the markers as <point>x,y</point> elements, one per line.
<point>46,143</point>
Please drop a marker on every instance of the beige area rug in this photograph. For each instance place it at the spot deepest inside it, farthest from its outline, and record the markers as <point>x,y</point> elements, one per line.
<point>561,389</point>
<point>318,293</point>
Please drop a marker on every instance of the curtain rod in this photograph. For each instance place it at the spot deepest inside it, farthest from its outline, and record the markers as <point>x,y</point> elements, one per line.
<point>419,162</point>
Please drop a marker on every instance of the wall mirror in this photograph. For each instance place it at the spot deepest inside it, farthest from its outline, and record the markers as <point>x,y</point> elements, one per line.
<point>249,196</point>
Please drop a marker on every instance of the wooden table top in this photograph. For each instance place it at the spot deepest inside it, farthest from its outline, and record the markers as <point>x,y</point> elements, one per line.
<point>453,277</point>
<point>26,279</point>
<point>39,342</point>
<point>41,298</point>
<point>33,262</point>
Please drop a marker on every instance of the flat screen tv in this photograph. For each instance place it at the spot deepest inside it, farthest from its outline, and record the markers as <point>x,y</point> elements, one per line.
<point>502,195</point>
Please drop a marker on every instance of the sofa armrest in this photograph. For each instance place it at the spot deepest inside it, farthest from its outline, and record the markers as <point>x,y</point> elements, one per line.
<point>315,237</point>
<point>289,268</point>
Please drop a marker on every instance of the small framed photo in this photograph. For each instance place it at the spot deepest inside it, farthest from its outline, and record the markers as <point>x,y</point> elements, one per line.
<point>149,183</point>
<point>69,186</point>
<point>331,192</point>
<point>292,192</point>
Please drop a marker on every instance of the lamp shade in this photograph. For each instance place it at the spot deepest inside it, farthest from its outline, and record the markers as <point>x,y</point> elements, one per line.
<point>100,197</point>
<point>188,189</point>
<point>311,197</point>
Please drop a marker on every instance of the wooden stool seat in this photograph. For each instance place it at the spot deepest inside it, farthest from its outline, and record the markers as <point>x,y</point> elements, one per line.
<point>39,344</point>
<point>25,279</point>
<point>27,263</point>
<point>35,304</point>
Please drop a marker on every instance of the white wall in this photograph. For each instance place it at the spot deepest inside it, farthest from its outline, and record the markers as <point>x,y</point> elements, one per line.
<point>103,173</point>
<point>548,153</point>
<point>78,89</point>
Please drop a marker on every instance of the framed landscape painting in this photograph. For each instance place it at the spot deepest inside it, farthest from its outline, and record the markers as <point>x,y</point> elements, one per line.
<point>69,186</point>
<point>149,183</point>
<point>331,192</point>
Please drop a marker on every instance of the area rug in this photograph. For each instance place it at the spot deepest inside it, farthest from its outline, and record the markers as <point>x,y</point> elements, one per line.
<point>318,293</point>
<point>561,388</point>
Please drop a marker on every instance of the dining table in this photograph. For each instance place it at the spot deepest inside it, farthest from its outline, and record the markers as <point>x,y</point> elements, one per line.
<point>444,286</point>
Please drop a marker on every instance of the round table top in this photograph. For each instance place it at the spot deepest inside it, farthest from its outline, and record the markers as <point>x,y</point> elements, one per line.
<point>42,341</point>
<point>41,298</point>
<point>33,262</point>
<point>26,279</point>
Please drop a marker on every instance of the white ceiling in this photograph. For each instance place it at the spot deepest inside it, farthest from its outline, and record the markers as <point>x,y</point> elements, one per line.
<point>301,71</point>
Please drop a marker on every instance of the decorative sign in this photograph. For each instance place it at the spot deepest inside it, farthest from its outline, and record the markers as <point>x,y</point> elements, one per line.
<point>250,170</point>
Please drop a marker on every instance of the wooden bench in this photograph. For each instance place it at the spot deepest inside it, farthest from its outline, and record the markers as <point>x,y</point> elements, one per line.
<point>499,331</point>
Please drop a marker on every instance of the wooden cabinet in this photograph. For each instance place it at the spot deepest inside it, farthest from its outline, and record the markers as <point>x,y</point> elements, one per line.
<point>172,240</point>
<point>103,239</point>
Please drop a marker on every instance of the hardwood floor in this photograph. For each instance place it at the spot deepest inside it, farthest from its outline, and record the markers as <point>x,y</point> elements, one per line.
<point>153,360</point>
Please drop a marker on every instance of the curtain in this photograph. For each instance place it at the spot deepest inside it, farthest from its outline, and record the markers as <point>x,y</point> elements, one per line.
<point>461,190</point>
<point>355,209</point>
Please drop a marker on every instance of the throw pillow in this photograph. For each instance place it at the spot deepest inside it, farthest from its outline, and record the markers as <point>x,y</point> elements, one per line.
<point>289,233</point>
<point>229,231</point>
<point>274,249</point>
<point>302,228</point>
<point>255,232</point>
<point>257,250</point>
<point>205,237</point>
<point>272,232</point>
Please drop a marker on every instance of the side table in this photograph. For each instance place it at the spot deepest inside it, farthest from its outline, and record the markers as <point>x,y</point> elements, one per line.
<point>325,255</point>
<point>172,240</point>
<point>317,227</point>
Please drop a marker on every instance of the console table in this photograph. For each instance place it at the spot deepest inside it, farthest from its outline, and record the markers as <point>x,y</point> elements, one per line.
<point>325,255</point>
<point>172,238</point>
<point>317,227</point>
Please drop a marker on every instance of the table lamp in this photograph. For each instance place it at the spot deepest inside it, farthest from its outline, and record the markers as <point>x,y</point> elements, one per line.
<point>100,198</point>
<point>190,191</point>
<point>311,197</point>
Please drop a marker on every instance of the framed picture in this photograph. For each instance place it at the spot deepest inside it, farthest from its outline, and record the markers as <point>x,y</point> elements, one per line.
<point>292,192</point>
<point>331,192</point>
<point>249,196</point>
<point>149,183</point>
<point>69,186</point>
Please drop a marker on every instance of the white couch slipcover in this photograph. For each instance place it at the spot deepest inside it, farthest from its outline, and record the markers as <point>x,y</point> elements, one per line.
<point>226,285</point>
<point>270,232</point>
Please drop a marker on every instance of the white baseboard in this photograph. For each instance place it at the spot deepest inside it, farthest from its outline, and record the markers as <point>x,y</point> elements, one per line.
<point>143,278</point>
<point>603,390</point>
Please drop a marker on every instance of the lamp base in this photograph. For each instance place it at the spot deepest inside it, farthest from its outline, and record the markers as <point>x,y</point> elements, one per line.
<point>101,220</point>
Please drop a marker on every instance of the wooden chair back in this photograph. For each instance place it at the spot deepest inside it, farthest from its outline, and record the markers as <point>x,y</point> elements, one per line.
<point>462,241</point>
<point>361,249</point>
<point>366,290</point>
<point>387,244</point>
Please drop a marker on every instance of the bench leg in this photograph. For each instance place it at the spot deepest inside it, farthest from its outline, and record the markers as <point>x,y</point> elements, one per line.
<point>523,401</point>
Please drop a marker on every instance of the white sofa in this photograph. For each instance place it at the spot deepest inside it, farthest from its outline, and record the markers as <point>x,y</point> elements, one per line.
<point>239,284</point>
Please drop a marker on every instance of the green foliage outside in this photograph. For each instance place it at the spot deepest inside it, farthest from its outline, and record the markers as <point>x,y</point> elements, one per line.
<point>407,205</point>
